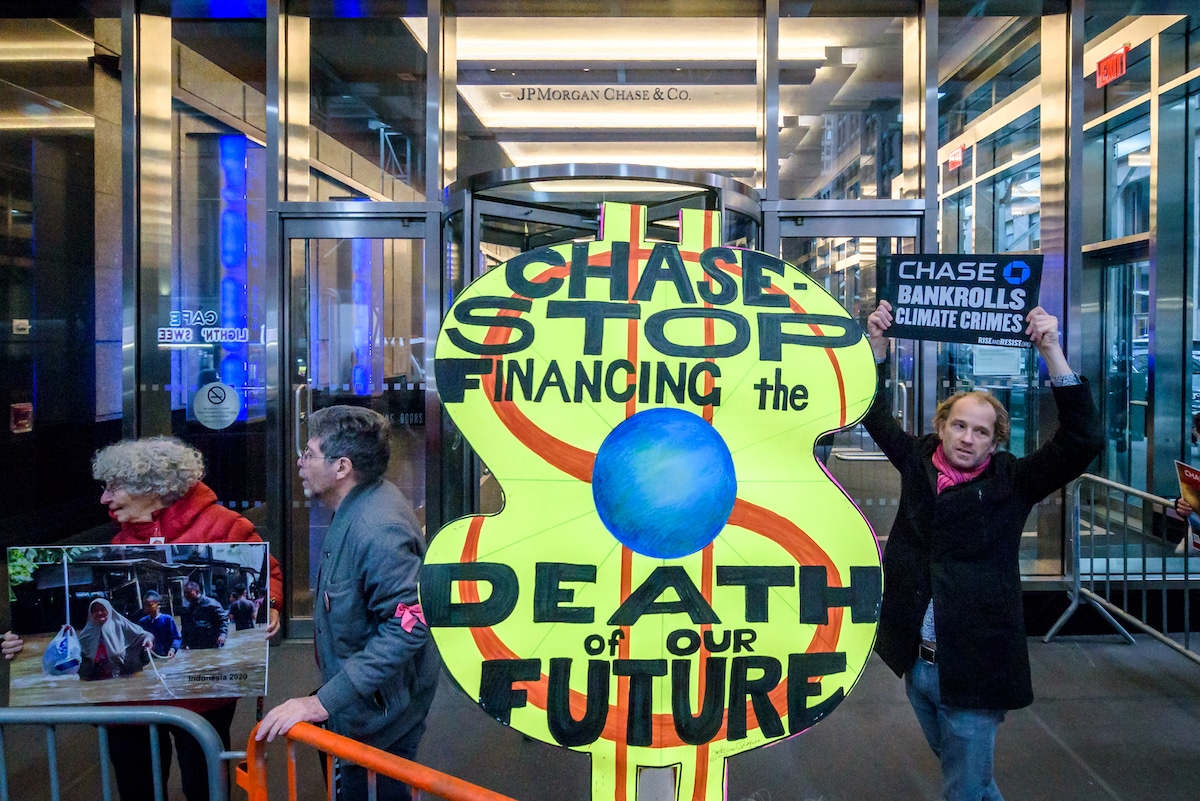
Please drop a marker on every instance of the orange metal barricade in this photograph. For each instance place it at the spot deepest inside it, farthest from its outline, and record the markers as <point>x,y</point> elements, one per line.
<point>252,774</point>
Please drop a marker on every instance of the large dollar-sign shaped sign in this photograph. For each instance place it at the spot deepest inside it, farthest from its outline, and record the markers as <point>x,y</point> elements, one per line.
<point>673,578</point>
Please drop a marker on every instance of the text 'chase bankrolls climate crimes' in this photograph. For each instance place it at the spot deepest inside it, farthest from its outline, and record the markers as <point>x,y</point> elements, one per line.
<point>975,299</point>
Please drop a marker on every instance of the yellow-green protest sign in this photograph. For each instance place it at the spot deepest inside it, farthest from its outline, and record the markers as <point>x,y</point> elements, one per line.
<point>673,578</point>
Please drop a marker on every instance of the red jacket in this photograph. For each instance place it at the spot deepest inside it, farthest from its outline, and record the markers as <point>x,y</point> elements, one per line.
<point>197,517</point>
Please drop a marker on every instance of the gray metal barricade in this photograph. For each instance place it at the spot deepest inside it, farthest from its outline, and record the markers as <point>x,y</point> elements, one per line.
<point>52,718</point>
<point>1116,554</point>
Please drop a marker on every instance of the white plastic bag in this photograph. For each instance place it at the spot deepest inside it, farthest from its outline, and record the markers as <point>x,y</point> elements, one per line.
<point>63,654</point>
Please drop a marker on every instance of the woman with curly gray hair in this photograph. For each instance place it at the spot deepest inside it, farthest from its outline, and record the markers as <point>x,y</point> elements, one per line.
<point>142,476</point>
<point>152,489</point>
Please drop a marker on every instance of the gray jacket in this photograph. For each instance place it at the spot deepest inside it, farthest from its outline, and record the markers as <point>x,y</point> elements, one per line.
<point>379,679</point>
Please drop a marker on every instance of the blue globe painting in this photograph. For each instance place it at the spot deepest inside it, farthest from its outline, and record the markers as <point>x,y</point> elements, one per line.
<point>663,483</point>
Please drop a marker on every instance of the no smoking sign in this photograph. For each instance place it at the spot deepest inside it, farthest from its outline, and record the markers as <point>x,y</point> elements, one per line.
<point>216,405</point>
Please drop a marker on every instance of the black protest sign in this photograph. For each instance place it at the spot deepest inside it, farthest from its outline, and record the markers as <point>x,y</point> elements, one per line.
<point>976,299</point>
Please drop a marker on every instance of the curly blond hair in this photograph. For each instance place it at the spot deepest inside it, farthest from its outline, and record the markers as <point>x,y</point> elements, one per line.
<point>160,466</point>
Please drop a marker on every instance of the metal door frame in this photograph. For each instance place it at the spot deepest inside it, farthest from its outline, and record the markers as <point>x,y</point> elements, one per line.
<point>1093,279</point>
<point>335,220</point>
<point>865,218</point>
<point>469,196</point>
<point>475,195</point>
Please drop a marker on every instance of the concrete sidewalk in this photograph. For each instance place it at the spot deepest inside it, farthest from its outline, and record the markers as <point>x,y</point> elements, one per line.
<point>1112,722</point>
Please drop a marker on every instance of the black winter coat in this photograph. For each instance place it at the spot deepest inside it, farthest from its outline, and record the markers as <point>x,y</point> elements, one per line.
<point>962,547</point>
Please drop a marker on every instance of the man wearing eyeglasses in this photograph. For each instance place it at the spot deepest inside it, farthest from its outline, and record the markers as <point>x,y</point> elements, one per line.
<point>378,662</point>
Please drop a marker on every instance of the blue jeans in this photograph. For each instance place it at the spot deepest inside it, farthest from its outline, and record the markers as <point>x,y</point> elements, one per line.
<point>963,739</point>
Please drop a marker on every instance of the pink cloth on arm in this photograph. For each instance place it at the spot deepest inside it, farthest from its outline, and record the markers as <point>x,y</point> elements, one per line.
<point>409,615</point>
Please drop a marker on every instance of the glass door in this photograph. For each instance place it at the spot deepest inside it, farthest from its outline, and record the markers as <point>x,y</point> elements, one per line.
<point>493,217</point>
<point>501,228</point>
<point>1126,333</point>
<point>356,337</point>
<point>845,256</point>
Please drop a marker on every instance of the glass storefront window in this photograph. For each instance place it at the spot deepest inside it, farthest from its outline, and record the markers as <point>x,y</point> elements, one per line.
<point>1012,142</point>
<point>1013,221</point>
<point>1179,49</point>
<point>989,111</point>
<point>1018,211</point>
<point>992,58</point>
<point>1126,348</point>
<point>660,91</point>
<point>675,90</point>
<point>60,270</point>
<point>1192,137</point>
<point>224,63</point>
<point>841,100</point>
<point>1133,84</point>
<point>1127,180</point>
<point>221,271</point>
<point>958,224</point>
<point>1094,160</point>
<point>210,310</point>
<point>958,169</point>
<point>367,84</point>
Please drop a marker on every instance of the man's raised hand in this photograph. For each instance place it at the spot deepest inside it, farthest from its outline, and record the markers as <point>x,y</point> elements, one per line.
<point>878,323</point>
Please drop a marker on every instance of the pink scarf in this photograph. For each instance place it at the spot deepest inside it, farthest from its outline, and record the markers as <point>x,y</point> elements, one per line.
<point>949,475</point>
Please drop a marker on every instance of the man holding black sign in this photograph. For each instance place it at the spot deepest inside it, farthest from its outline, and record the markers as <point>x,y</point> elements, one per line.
<point>951,622</point>
<point>974,299</point>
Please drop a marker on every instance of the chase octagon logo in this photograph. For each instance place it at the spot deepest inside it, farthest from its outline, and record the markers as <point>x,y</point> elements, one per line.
<point>1017,272</point>
<point>674,578</point>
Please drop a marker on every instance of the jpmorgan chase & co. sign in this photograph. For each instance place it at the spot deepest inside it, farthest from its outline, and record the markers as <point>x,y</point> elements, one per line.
<point>527,94</point>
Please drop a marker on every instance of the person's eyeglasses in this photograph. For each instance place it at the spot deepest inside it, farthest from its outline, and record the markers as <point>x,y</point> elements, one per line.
<point>308,455</point>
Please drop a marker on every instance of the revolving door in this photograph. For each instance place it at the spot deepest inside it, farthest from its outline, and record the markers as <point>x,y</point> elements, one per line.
<point>494,216</point>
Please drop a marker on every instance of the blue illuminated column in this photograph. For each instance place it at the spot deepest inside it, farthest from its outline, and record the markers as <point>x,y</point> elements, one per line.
<point>360,299</point>
<point>232,246</point>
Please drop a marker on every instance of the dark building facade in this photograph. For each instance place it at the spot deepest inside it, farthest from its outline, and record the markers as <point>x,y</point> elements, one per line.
<point>283,199</point>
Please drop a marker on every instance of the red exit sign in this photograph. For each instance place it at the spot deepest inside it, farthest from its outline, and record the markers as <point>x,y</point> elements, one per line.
<point>1109,68</point>
<point>956,158</point>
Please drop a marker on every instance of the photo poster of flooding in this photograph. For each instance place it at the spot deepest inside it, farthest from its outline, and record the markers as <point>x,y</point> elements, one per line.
<point>51,586</point>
